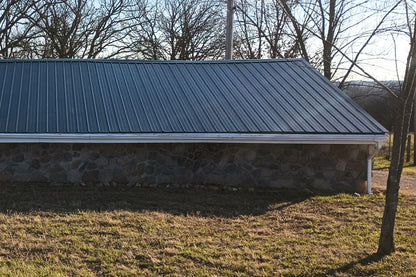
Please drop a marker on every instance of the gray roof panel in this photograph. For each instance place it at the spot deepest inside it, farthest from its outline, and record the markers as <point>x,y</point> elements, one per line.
<point>114,96</point>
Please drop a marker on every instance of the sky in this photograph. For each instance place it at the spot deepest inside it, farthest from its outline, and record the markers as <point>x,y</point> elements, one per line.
<point>391,62</point>
<point>385,56</point>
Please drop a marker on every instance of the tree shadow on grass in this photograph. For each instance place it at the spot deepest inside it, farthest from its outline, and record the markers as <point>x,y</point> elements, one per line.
<point>205,202</point>
<point>372,258</point>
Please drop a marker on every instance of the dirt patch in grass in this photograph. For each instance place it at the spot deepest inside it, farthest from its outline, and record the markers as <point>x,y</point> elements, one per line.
<point>65,231</point>
<point>407,181</point>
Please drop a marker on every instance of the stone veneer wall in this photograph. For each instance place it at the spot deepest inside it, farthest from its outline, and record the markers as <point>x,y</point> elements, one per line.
<point>329,167</point>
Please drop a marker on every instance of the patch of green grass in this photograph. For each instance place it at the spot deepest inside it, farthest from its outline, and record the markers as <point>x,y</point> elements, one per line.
<point>149,232</point>
<point>382,159</point>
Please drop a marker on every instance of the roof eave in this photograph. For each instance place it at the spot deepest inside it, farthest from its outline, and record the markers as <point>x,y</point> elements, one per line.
<point>377,139</point>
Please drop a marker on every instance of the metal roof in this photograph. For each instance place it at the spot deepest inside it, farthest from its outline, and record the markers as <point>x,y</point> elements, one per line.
<point>285,96</point>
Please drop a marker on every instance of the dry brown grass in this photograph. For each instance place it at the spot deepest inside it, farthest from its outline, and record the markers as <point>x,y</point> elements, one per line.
<point>66,231</point>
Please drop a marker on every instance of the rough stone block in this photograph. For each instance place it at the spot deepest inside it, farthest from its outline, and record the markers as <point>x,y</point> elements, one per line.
<point>73,176</point>
<point>91,177</point>
<point>341,164</point>
<point>38,178</point>
<point>59,176</point>
<point>5,177</point>
<point>321,184</point>
<point>35,164</point>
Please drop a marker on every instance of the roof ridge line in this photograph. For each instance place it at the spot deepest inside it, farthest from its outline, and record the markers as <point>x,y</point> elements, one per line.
<point>149,61</point>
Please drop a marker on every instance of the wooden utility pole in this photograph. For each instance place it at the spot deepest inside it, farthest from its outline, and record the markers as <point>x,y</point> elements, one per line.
<point>229,30</point>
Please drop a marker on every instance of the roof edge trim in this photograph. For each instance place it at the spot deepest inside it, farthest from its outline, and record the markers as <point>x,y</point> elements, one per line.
<point>378,139</point>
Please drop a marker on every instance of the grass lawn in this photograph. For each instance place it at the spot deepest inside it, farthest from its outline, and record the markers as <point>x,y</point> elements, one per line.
<point>81,231</point>
<point>382,160</point>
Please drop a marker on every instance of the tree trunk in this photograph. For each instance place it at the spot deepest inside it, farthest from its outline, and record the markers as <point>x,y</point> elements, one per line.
<point>414,133</point>
<point>400,130</point>
<point>414,144</point>
<point>329,40</point>
<point>408,146</point>
<point>386,242</point>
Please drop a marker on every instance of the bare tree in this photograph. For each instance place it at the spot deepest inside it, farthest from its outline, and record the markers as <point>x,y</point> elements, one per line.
<point>406,101</point>
<point>14,27</point>
<point>337,26</point>
<point>332,32</point>
<point>176,29</point>
<point>77,28</point>
<point>193,29</point>
<point>248,36</point>
<point>328,26</point>
<point>299,26</point>
<point>263,30</point>
<point>331,21</point>
<point>107,28</point>
<point>143,39</point>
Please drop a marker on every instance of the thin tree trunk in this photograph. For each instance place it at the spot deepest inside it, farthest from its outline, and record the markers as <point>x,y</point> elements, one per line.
<point>414,145</point>
<point>414,134</point>
<point>400,130</point>
<point>386,242</point>
<point>409,144</point>
<point>329,40</point>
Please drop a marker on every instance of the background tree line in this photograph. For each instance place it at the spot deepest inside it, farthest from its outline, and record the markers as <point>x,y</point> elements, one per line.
<point>330,34</point>
<point>168,29</point>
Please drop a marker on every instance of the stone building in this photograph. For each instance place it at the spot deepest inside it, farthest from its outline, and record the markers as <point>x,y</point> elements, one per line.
<point>253,123</point>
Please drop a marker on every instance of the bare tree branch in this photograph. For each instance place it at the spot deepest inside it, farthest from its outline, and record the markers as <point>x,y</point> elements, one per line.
<point>343,54</point>
<point>357,55</point>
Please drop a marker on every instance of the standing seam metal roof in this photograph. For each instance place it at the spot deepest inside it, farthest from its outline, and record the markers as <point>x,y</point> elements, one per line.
<point>285,96</point>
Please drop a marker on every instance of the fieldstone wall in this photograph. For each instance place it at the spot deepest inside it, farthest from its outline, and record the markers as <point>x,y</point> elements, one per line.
<point>328,167</point>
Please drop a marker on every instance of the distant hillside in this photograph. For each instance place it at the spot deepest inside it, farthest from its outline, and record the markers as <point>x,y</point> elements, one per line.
<point>374,99</point>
